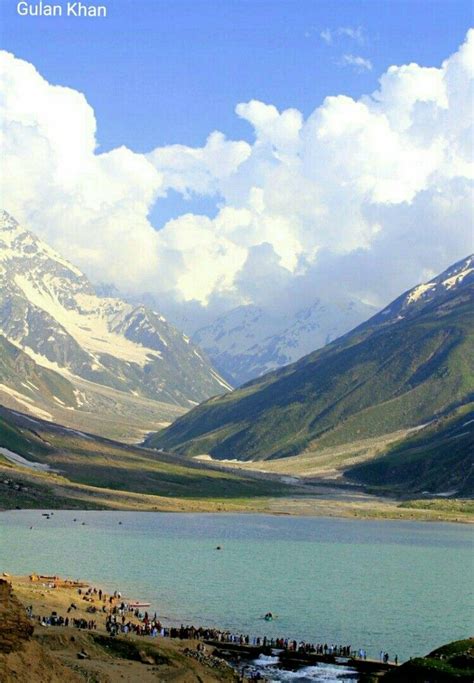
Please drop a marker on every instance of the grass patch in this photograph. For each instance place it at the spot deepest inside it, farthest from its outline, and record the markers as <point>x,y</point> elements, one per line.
<point>452,662</point>
<point>130,649</point>
<point>111,467</point>
<point>456,505</point>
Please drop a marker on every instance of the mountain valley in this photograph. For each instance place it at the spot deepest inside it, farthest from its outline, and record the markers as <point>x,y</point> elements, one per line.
<point>410,364</point>
<point>107,359</point>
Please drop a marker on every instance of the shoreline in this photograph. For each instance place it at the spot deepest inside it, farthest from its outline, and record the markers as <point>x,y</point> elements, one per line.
<point>52,597</point>
<point>83,649</point>
<point>141,480</point>
<point>377,510</point>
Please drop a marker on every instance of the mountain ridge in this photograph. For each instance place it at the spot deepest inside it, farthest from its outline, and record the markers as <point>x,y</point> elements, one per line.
<point>392,371</point>
<point>249,341</point>
<point>49,311</point>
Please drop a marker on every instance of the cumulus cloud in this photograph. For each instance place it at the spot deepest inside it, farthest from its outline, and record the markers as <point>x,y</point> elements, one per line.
<point>363,197</point>
<point>188,170</point>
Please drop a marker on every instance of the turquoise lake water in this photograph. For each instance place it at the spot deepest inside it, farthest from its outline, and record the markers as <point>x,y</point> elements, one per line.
<point>403,587</point>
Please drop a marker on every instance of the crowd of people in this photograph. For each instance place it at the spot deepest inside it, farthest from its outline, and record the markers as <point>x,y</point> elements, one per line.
<point>123,618</point>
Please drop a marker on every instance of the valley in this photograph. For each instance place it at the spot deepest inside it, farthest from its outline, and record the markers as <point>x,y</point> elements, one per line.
<point>377,423</point>
<point>408,366</point>
<point>73,470</point>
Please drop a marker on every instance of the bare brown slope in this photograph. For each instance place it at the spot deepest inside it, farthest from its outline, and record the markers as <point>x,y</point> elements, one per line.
<point>21,658</point>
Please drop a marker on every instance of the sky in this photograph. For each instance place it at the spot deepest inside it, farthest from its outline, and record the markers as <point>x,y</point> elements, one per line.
<point>222,152</point>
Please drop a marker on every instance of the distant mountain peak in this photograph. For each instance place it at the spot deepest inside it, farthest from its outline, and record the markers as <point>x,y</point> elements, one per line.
<point>18,242</point>
<point>249,340</point>
<point>448,279</point>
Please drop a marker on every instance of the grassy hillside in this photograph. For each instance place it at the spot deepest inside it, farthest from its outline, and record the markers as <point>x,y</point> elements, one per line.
<point>437,458</point>
<point>82,460</point>
<point>452,662</point>
<point>375,380</point>
<point>93,473</point>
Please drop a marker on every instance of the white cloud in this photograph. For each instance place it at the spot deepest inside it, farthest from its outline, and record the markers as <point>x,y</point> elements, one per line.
<point>359,63</point>
<point>188,170</point>
<point>363,197</point>
<point>327,36</point>
<point>354,33</point>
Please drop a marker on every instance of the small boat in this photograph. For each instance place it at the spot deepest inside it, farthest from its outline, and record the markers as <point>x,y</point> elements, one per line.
<point>139,604</point>
<point>268,616</point>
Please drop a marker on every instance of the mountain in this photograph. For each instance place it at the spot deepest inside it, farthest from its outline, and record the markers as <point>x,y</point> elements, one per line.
<point>411,302</point>
<point>410,363</point>
<point>79,404</point>
<point>437,458</point>
<point>50,311</point>
<point>62,468</point>
<point>30,385</point>
<point>249,341</point>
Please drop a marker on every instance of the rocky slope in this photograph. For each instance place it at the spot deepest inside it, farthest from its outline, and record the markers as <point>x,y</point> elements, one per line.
<point>451,662</point>
<point>21,658</point>
<point>97,345</point>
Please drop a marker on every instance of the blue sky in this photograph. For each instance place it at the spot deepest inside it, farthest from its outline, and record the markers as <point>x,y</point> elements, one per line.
<point>166,71</point>
<point>369,195</point>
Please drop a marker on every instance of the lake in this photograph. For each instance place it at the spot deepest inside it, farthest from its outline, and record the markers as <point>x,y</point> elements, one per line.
<point>403,587</point>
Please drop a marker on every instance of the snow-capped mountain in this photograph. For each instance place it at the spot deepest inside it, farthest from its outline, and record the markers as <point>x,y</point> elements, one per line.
<point>249,341</point>
<point>49,310</point>
<point>414,299</point>
<point>407,366</point>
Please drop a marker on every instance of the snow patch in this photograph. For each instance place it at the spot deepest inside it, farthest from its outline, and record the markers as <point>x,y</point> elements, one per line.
<point>88,324</point>
<point>26,402</point>
<point>418,292</point>
<point>220,381</point>
<point>20,460</point>
<point>450,282</point>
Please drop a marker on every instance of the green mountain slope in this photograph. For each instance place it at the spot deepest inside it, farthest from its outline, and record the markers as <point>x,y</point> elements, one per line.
<point>440,457</point>
<point>398,370</point>
<point>94,469</point>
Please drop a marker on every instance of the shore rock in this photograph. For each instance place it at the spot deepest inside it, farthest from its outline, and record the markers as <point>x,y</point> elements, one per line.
<point>15,627</point>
